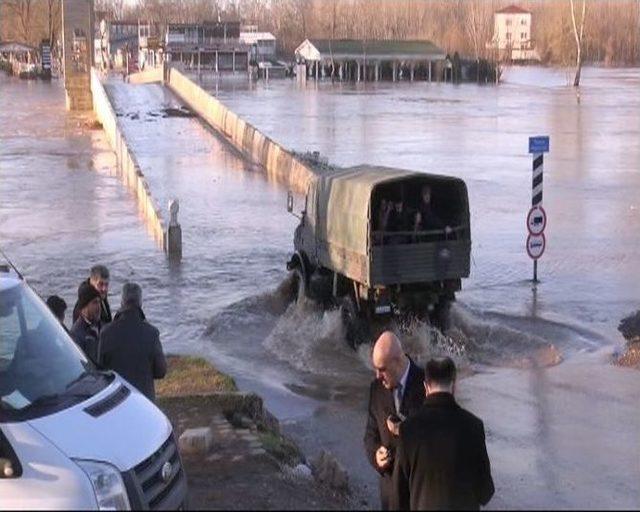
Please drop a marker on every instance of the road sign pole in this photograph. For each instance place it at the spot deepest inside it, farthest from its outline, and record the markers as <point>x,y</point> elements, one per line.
<point>536,183</point>
<point>537,147</point>
<point>536,195</point>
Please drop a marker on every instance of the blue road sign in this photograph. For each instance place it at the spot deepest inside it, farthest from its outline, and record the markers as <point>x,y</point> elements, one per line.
<point>539,144</point>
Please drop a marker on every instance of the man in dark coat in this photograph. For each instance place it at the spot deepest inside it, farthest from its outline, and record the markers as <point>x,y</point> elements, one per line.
<point>58,307</point>
<point>86,328</point>
<point>396,393</point>
<point>99,279</point>
<point>131,346</point>
<point>442,461</point>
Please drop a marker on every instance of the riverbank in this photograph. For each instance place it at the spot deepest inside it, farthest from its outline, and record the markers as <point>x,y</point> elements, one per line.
<point>249,465</point>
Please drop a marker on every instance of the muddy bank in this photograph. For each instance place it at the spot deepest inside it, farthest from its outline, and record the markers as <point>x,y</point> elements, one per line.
<point>249,465</point>
<point>630,329</point>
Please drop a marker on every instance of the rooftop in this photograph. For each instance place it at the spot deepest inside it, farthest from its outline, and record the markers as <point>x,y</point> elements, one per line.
<point>254,37</point>
<point>513,9</point>
<point>391,48</point>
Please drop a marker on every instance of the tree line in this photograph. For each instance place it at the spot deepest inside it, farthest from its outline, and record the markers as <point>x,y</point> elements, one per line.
<point>611,29</point>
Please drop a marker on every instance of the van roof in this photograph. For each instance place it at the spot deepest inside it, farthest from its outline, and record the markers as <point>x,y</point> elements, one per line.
<point>8,277</point>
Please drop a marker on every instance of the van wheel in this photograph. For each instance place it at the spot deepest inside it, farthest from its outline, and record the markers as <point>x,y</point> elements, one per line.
<point>299,284</point>
<point>356,329</point>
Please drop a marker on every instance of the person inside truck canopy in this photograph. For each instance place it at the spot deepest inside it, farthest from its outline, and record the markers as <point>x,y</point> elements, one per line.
<point>426,219</point>
<point>399,220</point>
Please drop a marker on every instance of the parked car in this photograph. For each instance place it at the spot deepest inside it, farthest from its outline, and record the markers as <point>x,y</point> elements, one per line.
<point>71,435</point>
<point>345,254</point>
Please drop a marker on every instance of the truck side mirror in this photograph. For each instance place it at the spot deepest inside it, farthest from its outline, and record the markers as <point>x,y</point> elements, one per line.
<point>289,202</point>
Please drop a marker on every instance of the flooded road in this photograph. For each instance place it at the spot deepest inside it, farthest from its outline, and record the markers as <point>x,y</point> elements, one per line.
<point>558,436</point>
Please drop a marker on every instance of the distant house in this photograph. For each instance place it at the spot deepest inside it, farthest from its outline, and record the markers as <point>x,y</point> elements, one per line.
<point>358,60</point>
<point>114,41</point>
<point>512,34</point>
<point>263,52</point>
<point>213,45</point>
<point>263,45</point>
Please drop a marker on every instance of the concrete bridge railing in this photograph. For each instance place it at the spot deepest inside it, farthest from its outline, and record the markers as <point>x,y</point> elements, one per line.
<point>128,167</point>
<point>279,164</point>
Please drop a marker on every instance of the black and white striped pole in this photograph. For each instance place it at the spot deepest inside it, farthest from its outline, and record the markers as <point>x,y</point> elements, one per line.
<point>537,217</point>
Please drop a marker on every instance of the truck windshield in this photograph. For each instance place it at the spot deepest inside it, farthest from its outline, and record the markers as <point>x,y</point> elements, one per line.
<point>40,366</point>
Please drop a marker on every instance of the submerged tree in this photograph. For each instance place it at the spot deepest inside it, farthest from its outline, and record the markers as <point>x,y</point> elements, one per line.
<point>579,36</point>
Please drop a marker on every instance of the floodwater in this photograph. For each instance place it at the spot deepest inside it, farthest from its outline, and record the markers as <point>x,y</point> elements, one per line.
<point>562,423</point>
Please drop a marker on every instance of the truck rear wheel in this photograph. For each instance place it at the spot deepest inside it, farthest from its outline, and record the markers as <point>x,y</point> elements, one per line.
<point>440,317</point>
<point>356,328</point>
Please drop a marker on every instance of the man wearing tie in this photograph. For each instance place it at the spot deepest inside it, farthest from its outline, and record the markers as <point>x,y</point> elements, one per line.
<point>395,394</point>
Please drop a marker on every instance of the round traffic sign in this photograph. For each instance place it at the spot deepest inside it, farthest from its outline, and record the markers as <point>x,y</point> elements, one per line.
<point>536,220</point>
<point>536,245</point>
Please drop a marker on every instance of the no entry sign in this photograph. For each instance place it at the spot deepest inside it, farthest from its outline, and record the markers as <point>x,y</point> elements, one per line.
<point>536,245</point>
<point>536,220</point>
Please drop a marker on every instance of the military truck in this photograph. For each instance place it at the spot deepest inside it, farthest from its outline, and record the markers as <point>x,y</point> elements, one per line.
<point>362,245</point>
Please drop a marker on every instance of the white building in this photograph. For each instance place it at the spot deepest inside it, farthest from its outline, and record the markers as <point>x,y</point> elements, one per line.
<point>512,34</point>
<point>263,45</point>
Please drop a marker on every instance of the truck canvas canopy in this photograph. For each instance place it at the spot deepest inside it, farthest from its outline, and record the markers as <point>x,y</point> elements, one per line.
<point>343,205</point>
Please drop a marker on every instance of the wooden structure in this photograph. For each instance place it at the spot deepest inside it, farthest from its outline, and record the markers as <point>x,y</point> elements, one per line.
<point>365,60</point>
<point>212,45</point>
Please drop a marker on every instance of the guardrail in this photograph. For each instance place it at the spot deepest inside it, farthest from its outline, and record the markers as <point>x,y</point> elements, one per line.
<point>278,163</point>
<point>128,168</point>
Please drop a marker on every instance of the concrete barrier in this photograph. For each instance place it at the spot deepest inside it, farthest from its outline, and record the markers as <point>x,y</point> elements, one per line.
<point>279,164</point>
<point>128,167</point>
<point>147,77</point>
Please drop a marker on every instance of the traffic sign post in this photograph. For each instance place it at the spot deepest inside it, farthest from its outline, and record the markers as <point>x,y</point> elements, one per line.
<point>537,217</point>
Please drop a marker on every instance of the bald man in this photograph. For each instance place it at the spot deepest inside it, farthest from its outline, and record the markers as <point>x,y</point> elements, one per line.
<point>395,394</point>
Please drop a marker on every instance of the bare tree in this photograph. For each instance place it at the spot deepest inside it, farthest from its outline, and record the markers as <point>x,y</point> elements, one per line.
<point>53,20</point>
<point>579,36</point>
<point>21,11</point>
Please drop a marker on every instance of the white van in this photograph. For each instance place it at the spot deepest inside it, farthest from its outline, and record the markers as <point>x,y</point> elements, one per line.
<point>72,436</point>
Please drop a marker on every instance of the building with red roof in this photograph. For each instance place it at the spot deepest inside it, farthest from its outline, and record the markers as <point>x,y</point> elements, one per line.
<point>512,37</point>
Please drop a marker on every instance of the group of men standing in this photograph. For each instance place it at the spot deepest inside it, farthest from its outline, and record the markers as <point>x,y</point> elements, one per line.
<point>430,452</point>
<point>126,342</point>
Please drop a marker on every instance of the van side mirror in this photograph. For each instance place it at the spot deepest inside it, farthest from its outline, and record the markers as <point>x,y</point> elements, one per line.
<point>290,202</point>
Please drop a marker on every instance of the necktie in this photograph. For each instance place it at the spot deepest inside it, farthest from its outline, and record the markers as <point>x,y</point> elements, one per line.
<point>397,399</point>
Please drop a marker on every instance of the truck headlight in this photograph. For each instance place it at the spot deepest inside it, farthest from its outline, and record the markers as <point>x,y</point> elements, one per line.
<point>107,484</point>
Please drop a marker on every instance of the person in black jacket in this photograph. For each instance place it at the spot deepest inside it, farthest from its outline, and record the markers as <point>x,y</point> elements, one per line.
<point>99,279</point>
<point>442,461</point>
<point>131,346</point>
<point>86,328</point>
<point>58,307</point>
<point>396,393</point>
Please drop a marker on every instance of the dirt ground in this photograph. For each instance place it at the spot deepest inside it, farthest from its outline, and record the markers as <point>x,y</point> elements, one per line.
<point>631,356</point>
<point>249,467</point>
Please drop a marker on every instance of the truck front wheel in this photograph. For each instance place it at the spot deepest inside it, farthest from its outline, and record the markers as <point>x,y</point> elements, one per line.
<point>299,284</point>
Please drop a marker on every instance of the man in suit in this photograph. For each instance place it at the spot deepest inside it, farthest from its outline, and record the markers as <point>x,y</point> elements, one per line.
<point>131,346</point>
<point>396,393</point>
<point>442,461</point>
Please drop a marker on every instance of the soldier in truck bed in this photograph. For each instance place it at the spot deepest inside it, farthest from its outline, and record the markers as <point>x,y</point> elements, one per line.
<point>425,217</point>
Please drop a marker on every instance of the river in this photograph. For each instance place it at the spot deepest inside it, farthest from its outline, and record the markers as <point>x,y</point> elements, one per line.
<point>562,422</point>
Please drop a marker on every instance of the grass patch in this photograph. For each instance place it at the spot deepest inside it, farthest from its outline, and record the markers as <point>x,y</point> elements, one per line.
<point>188,375</point>
<point>280,447</point>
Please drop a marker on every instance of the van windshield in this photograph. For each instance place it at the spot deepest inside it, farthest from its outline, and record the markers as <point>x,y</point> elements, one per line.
<point>40,366</point>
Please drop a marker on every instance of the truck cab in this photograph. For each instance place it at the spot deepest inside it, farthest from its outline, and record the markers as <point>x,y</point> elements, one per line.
<point>73,436</point>
<point>383,241</point>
